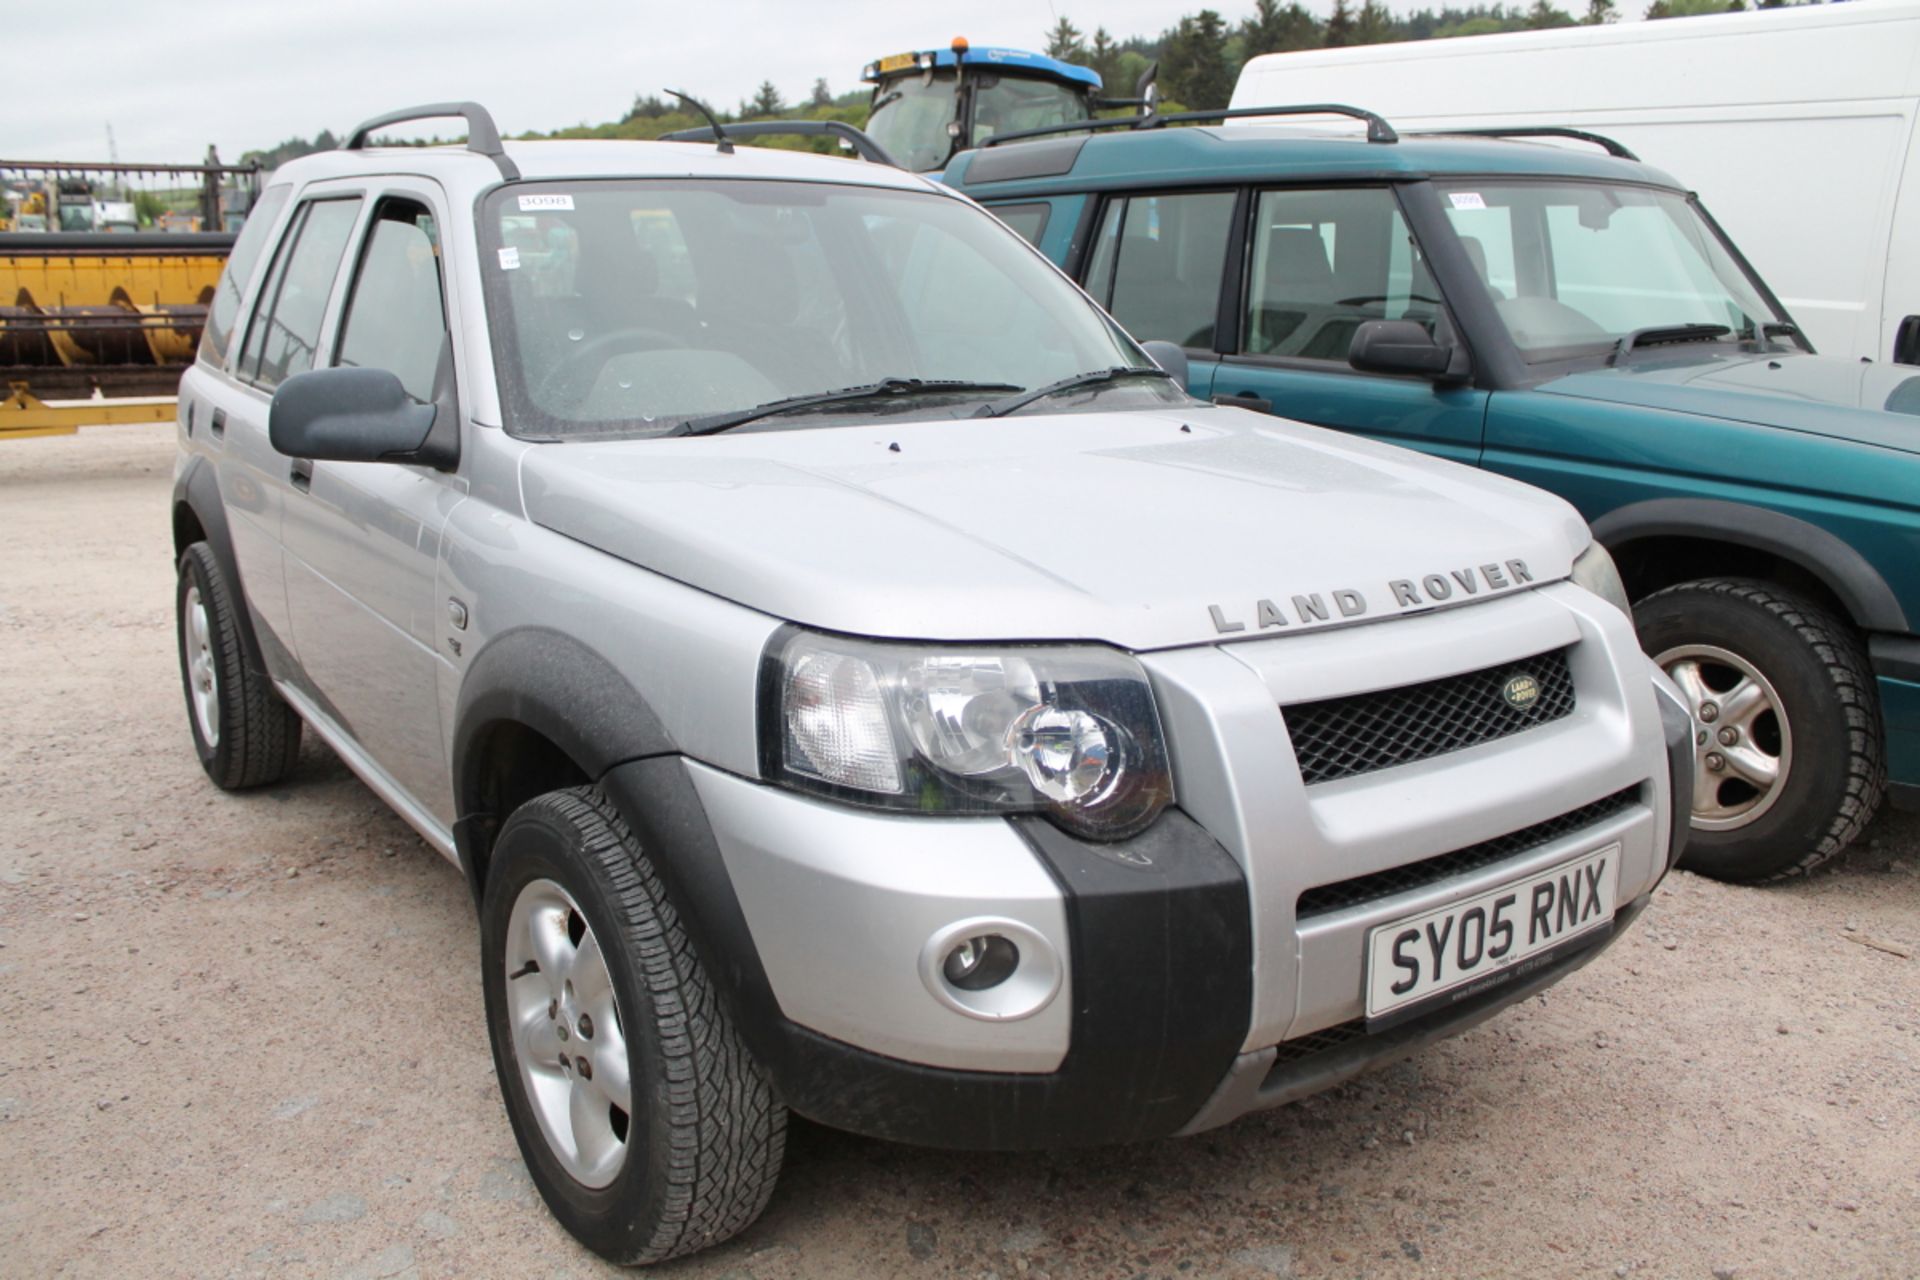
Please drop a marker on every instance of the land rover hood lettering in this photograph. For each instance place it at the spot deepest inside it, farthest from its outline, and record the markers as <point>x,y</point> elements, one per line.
<point>1352,602</point>
<point>1114,527</point>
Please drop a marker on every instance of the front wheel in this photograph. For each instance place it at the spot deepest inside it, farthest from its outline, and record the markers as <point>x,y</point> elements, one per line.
<point>1787,743</point>
<point>643,1120</point>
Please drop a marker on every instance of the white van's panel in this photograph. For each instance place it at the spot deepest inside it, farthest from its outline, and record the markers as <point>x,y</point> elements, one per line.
<point>1795,126</point>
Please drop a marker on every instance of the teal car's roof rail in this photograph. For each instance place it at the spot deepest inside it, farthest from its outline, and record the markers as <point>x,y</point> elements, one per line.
<point>1378,130</point>
<point>1605,143</point>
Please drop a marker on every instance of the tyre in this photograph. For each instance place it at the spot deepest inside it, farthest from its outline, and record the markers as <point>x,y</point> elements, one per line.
<point>1787,744</point>
<point>644,1121</point>
<point>243,733</point>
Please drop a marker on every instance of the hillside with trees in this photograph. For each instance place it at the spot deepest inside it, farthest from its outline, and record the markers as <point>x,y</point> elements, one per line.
<point>1199,57</point>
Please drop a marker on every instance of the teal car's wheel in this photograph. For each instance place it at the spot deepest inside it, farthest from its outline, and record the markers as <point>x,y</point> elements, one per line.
<point>1787,748</point>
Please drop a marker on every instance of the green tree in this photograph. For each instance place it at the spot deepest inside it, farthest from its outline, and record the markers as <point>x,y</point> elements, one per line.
<point>147,207</point>
<point>1063,42</point>
<point>1543,15</point>
<point>1600,12</point>
<point>1274,29</point>
<point>1340,26</point>
<point>1194,70</point>
<point>766,101</point>
<point>1103,56</point>
<point>1693,8</point>
<point>822,96</point>
<point>1374,25</point>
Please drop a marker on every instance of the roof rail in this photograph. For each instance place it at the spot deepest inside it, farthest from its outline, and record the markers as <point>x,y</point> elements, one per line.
<point>1378,130</point>
<point>1607,144</point>
<point>861,141</point>
<point>483,137</point>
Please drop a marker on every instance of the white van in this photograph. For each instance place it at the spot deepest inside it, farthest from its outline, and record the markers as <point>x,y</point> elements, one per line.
<point>1795,126</point>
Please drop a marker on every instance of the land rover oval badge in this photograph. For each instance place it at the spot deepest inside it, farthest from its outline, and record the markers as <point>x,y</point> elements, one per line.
<point>1521,692</point>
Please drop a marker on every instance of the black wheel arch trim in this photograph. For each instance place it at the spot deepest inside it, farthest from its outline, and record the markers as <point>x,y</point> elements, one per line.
<point>1869,601</point>
<point>198,490</point>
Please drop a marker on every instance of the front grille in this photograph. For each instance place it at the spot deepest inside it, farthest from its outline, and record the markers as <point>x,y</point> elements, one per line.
<point>1341,737</point>
<point>1416,875</point>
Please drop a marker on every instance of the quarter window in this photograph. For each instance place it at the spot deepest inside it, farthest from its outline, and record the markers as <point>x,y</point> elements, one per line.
<point>1158,261</point>
<point>1029,221</point>
<point>1326,261</point>
<point>285,329</point>
<point>233,281</point>
<point>396,315</point>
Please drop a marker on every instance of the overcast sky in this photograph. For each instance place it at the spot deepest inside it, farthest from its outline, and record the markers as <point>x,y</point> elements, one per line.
<point>244,74</point>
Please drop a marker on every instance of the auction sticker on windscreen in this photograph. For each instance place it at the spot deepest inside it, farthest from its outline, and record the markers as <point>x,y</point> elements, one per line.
<point>1421,962</point>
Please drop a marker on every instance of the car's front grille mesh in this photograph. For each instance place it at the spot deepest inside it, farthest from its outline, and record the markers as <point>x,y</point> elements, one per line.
<point>1341,737</point>
<point>1415,875</point>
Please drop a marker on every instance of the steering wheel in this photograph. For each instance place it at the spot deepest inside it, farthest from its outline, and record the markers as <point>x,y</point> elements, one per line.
<point>605,346</point>
<point>1367,299</point>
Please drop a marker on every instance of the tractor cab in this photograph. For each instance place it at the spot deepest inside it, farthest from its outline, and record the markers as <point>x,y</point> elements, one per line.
<point>929,106</point>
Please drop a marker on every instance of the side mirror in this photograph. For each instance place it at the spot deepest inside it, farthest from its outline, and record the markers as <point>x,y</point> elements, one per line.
<point>1401,346</point>
<point>353,415</point>
<point>1168,357</point>
<point>1906,341</point>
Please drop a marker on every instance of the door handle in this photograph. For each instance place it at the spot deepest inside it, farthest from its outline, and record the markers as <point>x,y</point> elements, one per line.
<point>300,474</point>
<point>1246,400</point>
<point>218,424</point>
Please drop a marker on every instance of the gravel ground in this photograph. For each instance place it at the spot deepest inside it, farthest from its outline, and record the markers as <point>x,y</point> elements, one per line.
<point>242,1035</point>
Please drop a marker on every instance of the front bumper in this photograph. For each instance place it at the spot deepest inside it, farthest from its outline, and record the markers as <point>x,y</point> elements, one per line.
<point>813,917</point>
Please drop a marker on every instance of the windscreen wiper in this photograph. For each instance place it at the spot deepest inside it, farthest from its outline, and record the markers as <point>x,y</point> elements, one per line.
<point>883,389</point>
<point>1662,334</point>
<point>1093,377</point>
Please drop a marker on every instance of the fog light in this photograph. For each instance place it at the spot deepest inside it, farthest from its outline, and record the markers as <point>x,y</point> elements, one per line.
<point>981,962</point>
<point>992,968</point>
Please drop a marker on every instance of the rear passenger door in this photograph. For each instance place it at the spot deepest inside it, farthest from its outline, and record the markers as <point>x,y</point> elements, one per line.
<point>363,538</point>
<point>1318,264</point>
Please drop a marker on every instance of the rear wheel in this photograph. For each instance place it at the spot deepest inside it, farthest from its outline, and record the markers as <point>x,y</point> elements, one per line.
<point>1787,748</point>
<point>243,733</point>
<point>643,1120</point>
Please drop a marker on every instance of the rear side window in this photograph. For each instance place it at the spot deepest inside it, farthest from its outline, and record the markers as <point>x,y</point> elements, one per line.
<point>239,271</point>
<point>397,315</point>
<point>1029,221</point>
<point>1157,264</point>
<point>1323,263</point>
<point>285,328</point>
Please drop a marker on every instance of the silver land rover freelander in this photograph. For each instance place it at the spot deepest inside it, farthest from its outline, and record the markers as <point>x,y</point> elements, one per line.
<point>854,679</point>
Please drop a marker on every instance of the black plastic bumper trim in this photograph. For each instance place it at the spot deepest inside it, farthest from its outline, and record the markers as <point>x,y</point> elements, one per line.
<point>1162,985</point>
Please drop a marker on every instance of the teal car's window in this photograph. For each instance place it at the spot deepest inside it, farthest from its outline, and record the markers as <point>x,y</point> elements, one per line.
<point>1574,267</point>
<point>1157,264</point>
<point>1324,262</point>
<point>1029,221</point>
<point>396,316</point>
<point>285,329</point>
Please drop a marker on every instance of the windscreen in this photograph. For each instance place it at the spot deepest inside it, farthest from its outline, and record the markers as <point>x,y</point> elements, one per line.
<point>1575,267</point>
<point>910,119</point>
<point>633,307</point>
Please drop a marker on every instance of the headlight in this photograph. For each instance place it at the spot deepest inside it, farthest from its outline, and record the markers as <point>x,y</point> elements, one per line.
<point>1068,731</point>
<point>1595,571</point>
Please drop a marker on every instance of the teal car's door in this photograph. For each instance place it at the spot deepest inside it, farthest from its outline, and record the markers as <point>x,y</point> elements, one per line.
<point>1264,291</point>
<point>1318,264</point>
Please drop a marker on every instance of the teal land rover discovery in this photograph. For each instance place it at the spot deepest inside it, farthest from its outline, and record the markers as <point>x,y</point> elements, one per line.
<point>1559,312</point>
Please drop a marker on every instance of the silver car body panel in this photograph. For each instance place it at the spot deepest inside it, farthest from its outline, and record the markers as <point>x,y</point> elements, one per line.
<point>842,902</point>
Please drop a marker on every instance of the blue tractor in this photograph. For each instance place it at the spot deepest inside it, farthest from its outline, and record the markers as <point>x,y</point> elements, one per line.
<point>928,106</point>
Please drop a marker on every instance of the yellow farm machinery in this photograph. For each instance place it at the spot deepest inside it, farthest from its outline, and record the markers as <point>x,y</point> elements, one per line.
<point>98,317</point>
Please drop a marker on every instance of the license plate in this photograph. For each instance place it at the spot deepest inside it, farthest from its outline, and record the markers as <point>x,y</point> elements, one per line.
<point>895,61</point>
<point>1438,957</point>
